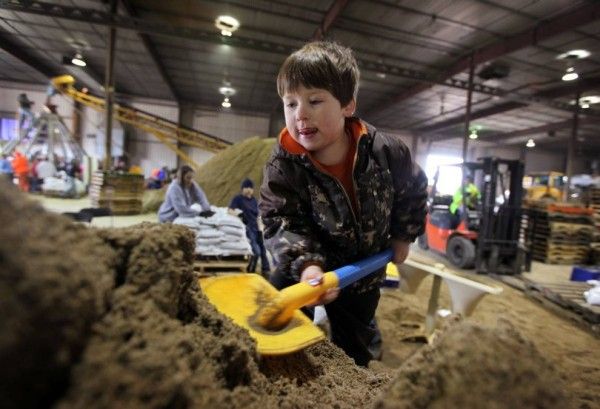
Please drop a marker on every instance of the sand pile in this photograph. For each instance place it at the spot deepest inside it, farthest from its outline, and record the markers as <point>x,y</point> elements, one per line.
<point>474,367</point>
<point>55,280</point>
<point>221,176</point>
<point>114,318</point>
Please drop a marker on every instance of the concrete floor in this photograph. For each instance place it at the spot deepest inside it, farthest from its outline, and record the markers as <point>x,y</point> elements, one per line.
<point>58,205</point>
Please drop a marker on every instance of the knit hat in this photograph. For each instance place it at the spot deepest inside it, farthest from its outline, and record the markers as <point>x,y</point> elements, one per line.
<point>247,183</point>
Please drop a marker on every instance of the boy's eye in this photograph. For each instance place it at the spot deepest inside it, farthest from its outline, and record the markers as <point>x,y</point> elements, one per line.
<point>290,104</point>
<point>316,101</point>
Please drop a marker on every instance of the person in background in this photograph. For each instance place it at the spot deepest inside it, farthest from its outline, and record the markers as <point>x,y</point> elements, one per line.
<point>182,193</point>
<point>20,166</point>
<point>6,169</point>
<point>25,114</point>
<point>247,203</point>
<point>336,191</point>
<point>473,196</point>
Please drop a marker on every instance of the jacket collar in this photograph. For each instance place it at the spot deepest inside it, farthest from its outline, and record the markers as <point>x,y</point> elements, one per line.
<point>357,129</point>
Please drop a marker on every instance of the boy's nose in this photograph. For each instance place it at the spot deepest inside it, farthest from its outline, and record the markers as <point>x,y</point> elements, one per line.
<point>301,112</point>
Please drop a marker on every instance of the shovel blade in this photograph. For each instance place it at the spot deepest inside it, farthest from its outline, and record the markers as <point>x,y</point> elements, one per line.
<point>241,296</point>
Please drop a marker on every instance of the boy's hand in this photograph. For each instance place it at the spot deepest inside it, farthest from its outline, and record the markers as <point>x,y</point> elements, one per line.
<point>313,275</point>
<point>400,249</point>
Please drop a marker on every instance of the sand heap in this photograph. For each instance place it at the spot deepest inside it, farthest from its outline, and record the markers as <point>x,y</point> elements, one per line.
<point>221,176</point>
<point>470,366</point>
<point>114,318</point>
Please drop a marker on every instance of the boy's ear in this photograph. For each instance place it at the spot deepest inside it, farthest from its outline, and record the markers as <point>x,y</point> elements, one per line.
<point>349,109</point>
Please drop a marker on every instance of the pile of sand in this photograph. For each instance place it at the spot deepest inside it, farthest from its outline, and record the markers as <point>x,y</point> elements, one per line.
<point>471,366</point>
<point>114,318</point>
<point>221,176</point>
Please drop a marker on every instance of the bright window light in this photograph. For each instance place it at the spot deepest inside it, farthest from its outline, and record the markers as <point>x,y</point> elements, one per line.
<point>450,176</point>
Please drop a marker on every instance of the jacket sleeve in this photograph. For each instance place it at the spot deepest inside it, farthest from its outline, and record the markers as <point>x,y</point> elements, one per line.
<point>288,232</point>
<point>410,192</point>
<point>201,197</point>
<point>176,196</point>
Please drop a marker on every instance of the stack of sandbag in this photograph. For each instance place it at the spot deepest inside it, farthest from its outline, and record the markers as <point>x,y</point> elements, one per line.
<point>218,235</point>
<point>63,186</point>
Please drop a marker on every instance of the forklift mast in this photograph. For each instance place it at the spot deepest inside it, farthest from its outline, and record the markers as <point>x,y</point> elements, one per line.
<point>499,250</point>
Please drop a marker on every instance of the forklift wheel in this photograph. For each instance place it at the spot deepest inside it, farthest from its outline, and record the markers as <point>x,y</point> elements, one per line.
<point>422,242</point>
<point>461,252</point>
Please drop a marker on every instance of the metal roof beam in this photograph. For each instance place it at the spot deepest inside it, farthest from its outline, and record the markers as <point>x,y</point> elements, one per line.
<point>151,48</point>
<point>571,89</point>
<point>332,14</point>
<point>17,51</point>
<point>506,137</point>
<point>530,37</point>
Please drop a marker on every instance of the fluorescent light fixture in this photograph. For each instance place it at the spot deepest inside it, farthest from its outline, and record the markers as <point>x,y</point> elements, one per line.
<point>78,60</point>
<point>574,55</point>
<point>227,25</point>
<point>530,143</point>
<point>226,103</point>
<point>227,91</point>
<point>570,75</point>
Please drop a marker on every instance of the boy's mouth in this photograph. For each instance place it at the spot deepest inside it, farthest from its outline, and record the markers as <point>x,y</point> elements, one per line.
<point>307,132</point>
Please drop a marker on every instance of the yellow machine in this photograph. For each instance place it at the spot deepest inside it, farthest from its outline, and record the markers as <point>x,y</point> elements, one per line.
<point>170,134</point>
<point>544,186</point>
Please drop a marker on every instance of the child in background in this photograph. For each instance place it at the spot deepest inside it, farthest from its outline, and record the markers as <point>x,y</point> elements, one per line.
<point>336,191</point>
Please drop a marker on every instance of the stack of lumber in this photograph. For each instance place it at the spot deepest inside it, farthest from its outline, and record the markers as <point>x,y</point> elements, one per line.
<point>561,234</point>
<point>595,206</point>
<point>121,192</point>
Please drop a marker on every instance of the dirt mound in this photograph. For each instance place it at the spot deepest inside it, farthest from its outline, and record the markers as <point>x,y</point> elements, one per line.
<point>55,277</point>
<point>162,344</point>
<point>152,199</point>
<point>471,366</point>
<point>221,176</point>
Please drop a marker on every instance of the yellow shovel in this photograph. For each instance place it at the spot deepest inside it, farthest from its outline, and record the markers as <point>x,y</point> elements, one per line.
<point>273,317</point>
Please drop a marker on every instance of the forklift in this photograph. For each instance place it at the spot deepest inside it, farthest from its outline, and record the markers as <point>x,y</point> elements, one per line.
<point>488,237</point>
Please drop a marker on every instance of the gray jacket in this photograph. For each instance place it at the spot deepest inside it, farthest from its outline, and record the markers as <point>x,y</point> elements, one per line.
<point>178,201</point>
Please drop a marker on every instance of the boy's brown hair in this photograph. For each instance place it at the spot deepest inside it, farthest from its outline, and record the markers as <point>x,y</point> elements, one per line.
<point>324,65</point>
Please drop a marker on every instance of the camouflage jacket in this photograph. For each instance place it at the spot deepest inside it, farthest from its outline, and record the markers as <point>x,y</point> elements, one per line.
<point>308,216</point>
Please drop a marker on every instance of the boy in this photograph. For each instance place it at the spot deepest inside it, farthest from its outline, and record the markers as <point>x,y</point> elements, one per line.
<point>336,191</point>
<point>246,202</point>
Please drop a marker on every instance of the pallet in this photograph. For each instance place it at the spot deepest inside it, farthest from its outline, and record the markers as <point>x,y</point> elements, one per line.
<point>220,266</point>
<point>569,296</point>
<point>560,259</point>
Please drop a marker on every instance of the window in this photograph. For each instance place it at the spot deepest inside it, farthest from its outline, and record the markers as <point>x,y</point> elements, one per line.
<point>8,129</point>
<point>449,178</point>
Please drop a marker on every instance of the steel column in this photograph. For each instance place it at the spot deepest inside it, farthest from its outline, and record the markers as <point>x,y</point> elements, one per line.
<point>468,113</point>
<point>571,148</point>
<point>109,88</point>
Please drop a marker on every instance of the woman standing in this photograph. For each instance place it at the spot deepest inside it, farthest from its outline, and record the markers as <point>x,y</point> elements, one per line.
<point>182,193</point>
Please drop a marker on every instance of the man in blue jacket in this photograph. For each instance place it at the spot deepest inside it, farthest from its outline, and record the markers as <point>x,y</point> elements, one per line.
<point>247,203</point>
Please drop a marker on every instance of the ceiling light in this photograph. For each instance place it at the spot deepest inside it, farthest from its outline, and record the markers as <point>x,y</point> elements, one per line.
<point>226,103</point>
<point>585,106</point>
<point>574,55</point>
<point>227,91</point>
<point>227,25</point>
<point>78,60</point>
<point>530,143</point>
<point>589,100</point>
<point>473,135</point>
<point>570,75</point>
<point>381,75</point>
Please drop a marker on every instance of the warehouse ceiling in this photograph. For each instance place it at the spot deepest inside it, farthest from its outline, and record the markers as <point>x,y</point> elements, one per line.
<point>414,56</point>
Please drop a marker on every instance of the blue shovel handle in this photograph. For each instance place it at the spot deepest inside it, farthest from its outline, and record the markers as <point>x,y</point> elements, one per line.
<point>354,272</point>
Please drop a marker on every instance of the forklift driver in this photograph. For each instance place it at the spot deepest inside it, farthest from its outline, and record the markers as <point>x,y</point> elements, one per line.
<point>473,196</point>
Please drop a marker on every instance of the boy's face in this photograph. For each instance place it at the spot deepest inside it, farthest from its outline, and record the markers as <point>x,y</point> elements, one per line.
<point>315,118</point>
